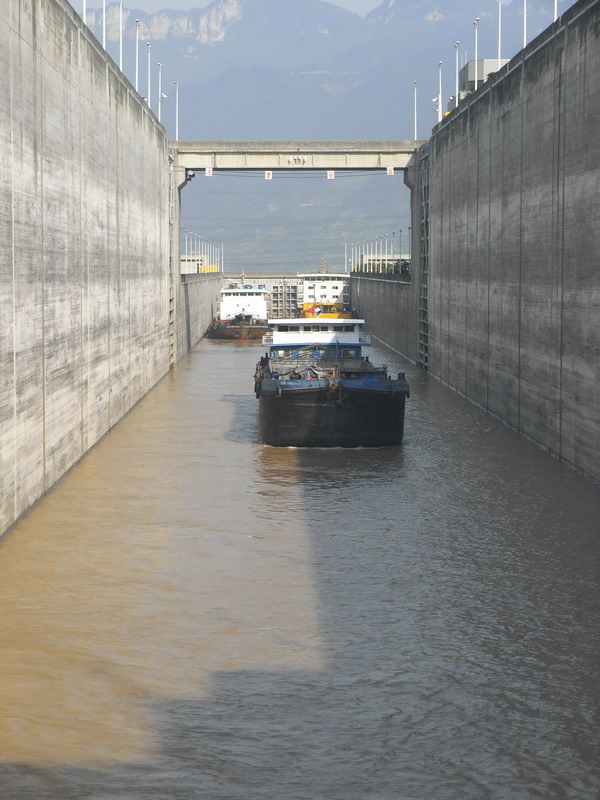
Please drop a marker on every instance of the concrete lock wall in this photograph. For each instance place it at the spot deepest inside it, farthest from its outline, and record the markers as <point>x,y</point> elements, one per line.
<point>83,248</point>
<point>514,289</point>
<point>197,307</point>
<point>389,307</point>
<point>390,303</point>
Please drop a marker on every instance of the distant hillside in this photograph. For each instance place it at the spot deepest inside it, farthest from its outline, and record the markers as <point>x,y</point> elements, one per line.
<point>307,68</point>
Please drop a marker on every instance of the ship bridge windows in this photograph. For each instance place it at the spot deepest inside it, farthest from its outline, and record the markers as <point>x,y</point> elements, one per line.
<point>309,328</point>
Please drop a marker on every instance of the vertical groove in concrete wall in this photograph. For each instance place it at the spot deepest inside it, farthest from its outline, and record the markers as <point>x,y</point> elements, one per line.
<point>83,248</point>
<point>515,203</point>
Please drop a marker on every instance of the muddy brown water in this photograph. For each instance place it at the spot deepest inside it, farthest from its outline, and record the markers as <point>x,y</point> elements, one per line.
<point>190,614</point>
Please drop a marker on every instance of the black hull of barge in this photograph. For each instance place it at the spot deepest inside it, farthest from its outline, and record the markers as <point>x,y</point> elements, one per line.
<point>316,419</point>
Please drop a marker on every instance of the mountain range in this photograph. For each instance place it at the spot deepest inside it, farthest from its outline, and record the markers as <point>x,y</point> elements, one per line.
<point>308,69</point>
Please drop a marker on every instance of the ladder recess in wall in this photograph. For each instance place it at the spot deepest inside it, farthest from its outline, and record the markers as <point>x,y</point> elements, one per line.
<point>174,269</point>
<point>172,342</point>
<point>423,319</point>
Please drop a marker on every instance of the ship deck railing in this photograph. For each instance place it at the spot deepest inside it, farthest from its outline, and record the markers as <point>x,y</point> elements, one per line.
<point>326,364</point>
<point>364,338</point>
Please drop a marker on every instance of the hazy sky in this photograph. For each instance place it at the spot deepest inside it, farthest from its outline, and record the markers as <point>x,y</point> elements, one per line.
<point>358,6</point>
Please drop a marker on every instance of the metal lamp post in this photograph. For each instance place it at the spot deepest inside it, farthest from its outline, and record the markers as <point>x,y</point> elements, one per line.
<point>149,74</point>
<point>439,115</point>
<point>415,109</point>
<point>159,89</point>
<point>499,32</point>
<point>137,54</point>
<point>121,35</point>
<point>476,23</point>
<point>456,74</point>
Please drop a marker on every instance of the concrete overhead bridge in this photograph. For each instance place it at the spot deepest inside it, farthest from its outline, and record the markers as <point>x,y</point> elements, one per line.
<point>295,155</point>
<point>187,158</point>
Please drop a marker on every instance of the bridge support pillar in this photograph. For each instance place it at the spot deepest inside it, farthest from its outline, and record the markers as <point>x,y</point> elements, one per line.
<point>180,177</point>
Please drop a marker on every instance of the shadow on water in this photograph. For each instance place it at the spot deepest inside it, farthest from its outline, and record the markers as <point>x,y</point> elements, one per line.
<point>407,623</point>
<point>244,428</point>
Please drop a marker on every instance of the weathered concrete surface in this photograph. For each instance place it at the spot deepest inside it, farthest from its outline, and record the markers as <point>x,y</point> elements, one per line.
<point>514,294</point>
<point>197,307</point>
<point>296,155</point>
<point>389,307</point>
<point>83,248</point>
